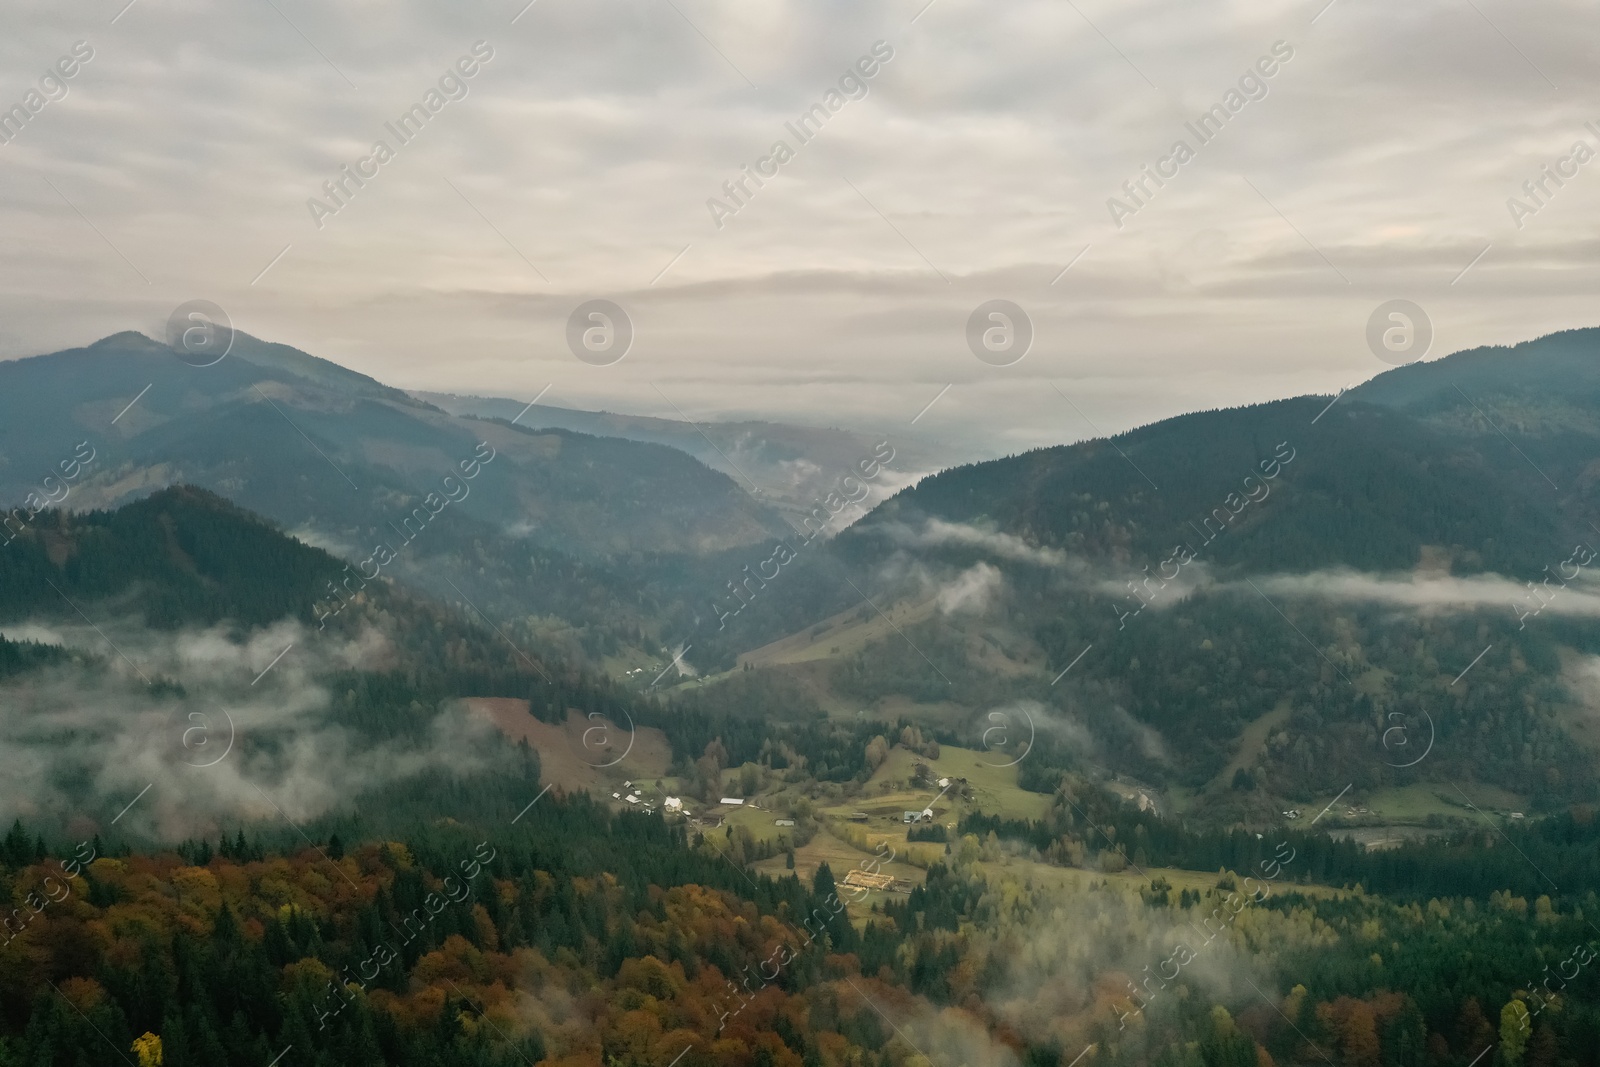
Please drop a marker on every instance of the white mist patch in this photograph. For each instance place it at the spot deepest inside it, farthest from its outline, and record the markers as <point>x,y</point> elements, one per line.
<point>1582,677</point>
<point>1146,590</point>
<point>208,728</point>
<point>937,533</point>
<point>972,591</point>
<point>798,474</point>
<point>1065,728</point>
<point>316,538</point>
<point>684,668</point>
<point>27,631</point>
<point>1436,593</point>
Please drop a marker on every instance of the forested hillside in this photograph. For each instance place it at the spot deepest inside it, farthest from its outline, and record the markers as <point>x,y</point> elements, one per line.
<point>1251,607</point>
<point>541,527</point>
<point>259,825</point>
<point>575,937</point>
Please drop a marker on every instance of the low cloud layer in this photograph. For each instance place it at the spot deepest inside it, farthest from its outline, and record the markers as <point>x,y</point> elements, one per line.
<point>577,163</point>
<point>973,590</point>
<point>250,737</point>
<point>1579,598</point>
<point>938,533</point>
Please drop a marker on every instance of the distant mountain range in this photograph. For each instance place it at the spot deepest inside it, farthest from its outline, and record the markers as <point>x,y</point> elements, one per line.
<point>548,525</point>
<point>309,443</point>
<point>1254,604</point>
<point>789,467</point>
<point>1242,605</point>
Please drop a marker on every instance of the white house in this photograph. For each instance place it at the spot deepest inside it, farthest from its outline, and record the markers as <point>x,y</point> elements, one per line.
<point>672,805</point>
<point>732,802</point>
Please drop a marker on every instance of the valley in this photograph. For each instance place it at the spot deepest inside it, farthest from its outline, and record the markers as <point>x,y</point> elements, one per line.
<point>732,550</point>
<point>940,735</point>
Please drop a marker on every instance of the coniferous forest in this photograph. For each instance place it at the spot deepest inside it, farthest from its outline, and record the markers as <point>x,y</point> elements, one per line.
<point>1004,812</point>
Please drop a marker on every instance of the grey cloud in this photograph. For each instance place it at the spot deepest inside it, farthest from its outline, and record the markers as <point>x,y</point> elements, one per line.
<point>935,533</point>
<point>991,143</point>
<point>1578,598</point>
<point>77,744</point>
<point>972,590</point>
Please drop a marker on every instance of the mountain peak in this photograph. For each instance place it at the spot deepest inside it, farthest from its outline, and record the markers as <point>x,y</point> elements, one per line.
<point>1558,366</point>
<point>126,339</point>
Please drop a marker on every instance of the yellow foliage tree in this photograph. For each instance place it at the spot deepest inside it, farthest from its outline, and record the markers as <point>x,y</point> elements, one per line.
<point>148,1048</point>
<point>1514,1031</point>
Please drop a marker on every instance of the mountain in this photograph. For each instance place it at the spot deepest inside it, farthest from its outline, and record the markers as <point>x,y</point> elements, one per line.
<point>306,441</point>
<point>1490,452</point>
<point>541,524</point>
<point>1247,608</point>
<point>789,467</point>
<point>183,559</point>
<point>185,555</point>
<point>1555,370</point>
<point>294,839</point>
<point>141,640</point>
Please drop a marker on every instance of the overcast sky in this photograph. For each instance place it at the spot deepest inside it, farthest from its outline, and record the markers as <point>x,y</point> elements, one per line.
<point>1377,165</point>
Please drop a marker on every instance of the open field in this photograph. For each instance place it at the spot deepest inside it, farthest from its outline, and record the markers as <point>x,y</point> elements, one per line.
<point>1251,740</point>
<point>843,634</point>
<point>762,824</point>
<point>841,857</point>
<point>573,756</point>
<point>993,785</point>
<point>1073,879</point>
<point>1414,803</point>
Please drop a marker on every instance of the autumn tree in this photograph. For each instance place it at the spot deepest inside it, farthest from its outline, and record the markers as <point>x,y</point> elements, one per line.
<point>1354,1030</point>
<point>1514,1032</point>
